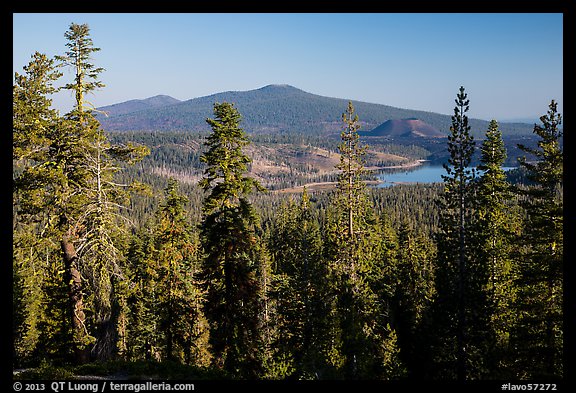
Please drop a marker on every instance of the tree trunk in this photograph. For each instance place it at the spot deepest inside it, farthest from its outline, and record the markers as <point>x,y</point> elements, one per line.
<point>106,340</point>
<point>78,318</point>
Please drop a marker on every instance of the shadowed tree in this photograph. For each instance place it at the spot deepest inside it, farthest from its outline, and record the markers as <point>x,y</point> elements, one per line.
<point>413,292</point>
<point>359,267</point>
<point>537,340</point>
<point>168,323</point>
<point>460,310</point>
<point>300,291</point>
<point>233,258</point>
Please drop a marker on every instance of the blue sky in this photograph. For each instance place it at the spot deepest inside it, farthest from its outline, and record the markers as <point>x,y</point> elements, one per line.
<point>510,64</point>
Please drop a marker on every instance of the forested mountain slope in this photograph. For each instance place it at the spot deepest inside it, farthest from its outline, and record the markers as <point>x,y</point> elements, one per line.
<point>275,108</point>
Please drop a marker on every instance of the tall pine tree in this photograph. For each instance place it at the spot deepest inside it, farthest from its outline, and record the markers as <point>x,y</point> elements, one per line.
<point>460,310</point>
<point>497,224</point>
<point>538,336</point>
<point>358,265</point>
<point>233,257</point>
<point>71,146</point>
<point>71,183</point>
<point>39,288</point>
<point>94,231</point>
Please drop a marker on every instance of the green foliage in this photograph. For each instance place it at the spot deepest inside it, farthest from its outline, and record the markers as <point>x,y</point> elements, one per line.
<point>31,112</point>
<point>393,368</point>
<point>280,110</point>
<point>131,371</point>
<point>351,195</point>
<point>46,372</point>
<point>97,225</point>
<point>461,308</point>
<point>232,256</point>
<point>203,278</point>
<point>40,301</point>
<point>361,264</point>
<point>39,296</point>
<point>414,292</point>
<point>65,189</point>
<point>300,292</point>
<point>168,324</point>
<point>537,339</point>
<point>498,225</point>
<point>78,57</point>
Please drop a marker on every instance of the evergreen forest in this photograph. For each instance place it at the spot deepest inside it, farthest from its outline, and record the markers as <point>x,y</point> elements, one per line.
<point>161,254</point>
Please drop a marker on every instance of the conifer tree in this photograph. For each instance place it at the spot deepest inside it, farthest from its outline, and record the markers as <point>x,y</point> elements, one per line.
<point>538,336</point>
<point>93,232</point>
<point>141,336</point>
<point>413,292</point>
<point>358,264</point>
<point>493,193</point>
<point>461,307</point>
<point>179,307</point>
<point>383,277</point>
<point>349,229</point>
<point>40,292</point>
<point>169,321</point>
<point>78,56</point>
<point>300,291</point>
<point>496,225</point>
<point>32,115</point>
<point>72,184</point>
<point>351,195</point>
<point>231,267</point>
<point>70,145</point>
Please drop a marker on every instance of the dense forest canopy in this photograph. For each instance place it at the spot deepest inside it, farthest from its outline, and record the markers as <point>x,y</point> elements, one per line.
<point>196,253</point>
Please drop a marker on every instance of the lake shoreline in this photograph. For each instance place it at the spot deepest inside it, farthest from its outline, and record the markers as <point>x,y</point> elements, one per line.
<point>324,186</point>
<point>411,164</point>
<point>416,173</point>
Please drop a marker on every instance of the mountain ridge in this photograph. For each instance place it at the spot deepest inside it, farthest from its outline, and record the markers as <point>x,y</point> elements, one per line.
<point>275,108</point>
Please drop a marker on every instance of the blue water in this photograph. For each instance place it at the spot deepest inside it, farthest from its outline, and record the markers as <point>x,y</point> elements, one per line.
<point>421,174</point>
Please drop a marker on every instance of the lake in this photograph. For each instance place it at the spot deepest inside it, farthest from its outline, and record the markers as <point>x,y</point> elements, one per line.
<point>424,173</point>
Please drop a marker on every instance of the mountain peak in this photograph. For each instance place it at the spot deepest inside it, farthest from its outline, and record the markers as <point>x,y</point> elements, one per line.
<point>283,87</point>
<point>408,127</point>
<point>158,101</point>
<point>278,85</point>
